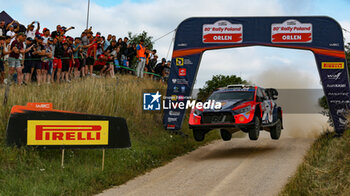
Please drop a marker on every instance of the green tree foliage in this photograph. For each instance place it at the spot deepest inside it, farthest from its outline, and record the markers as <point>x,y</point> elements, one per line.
<point>135,39</point>
<point>216,82</point>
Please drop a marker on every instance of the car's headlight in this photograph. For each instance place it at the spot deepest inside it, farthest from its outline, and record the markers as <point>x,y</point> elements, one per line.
<point>243,110</point>
<point>197,112</point>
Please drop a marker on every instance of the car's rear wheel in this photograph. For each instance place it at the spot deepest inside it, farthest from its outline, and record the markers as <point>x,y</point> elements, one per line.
<point>225,135</point>
<point>198,134</point>
<point>254,131</point>
<point>275,131</point>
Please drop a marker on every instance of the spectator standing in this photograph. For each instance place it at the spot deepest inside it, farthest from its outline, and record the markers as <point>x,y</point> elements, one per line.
<point>91,55</point>
<point>38,53</point>
<point>2,28</point>
<point>28,60</point>
<point>166,71</point>
<point>11,30</point>
<point>67,57</point>
<point>152,64</point>
<point>77,49</point>
<point>107,42</point>
<point>7,50</point>
<point>141,50</point>
<point>2,68</point>
<point>45,62</point>
<point>46,35</point>
<point>30,29</point>
<point>57,61</point>
<point>50,43</point>
<point>159,68</point>
<point>17,47</point>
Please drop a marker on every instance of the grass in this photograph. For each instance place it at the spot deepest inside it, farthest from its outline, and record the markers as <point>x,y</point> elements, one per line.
<point>28,171</point>
<point>325,170</point>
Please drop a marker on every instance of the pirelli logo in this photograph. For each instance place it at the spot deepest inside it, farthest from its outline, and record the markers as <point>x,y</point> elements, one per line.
<point>67,132</point>
<point>332,65</point>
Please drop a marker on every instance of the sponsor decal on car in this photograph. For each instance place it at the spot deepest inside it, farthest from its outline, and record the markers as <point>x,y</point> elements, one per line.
<point>291,31</point>
<point>222,31</point>
<point>67,132</point>
<point>332,65</point>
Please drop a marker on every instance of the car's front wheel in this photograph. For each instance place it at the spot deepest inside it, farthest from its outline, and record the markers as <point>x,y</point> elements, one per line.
<point>275,131</point>
<point>198,135</point>
<point>254,131</point>
<point>225,135</point>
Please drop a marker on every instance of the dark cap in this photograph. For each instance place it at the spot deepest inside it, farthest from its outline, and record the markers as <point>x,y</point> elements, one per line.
<point>163,60</point>
<point>39,37</point>
<point>29,39</point>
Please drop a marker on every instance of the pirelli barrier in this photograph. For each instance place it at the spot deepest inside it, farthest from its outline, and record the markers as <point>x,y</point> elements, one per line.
<point>39,125</point>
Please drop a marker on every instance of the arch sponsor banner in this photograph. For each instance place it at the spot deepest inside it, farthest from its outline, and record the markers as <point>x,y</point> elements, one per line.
<point>41,126</point>
<point>222,32</point>
<point>291,31</point>
<point>322,35</point>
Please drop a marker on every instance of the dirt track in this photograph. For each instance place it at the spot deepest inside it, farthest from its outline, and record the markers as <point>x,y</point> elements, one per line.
<point>238,167</point>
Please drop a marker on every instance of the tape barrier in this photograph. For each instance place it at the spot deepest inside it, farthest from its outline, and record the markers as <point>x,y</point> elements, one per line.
<point>40,126</point>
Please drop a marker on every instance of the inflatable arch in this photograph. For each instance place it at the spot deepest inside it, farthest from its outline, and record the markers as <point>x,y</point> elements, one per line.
<point>321,35</point>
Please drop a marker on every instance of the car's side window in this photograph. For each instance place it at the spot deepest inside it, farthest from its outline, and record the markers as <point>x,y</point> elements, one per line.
<point>264,94</point>
<point>259,95</point>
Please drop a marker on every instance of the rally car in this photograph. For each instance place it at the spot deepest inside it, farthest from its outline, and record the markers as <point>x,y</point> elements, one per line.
<point>243,108</point>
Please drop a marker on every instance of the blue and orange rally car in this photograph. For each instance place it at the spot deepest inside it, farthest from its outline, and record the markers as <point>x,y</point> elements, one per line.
<point>243,108</point>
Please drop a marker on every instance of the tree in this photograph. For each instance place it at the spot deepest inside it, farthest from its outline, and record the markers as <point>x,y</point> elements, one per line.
<point>135,39</point>
<point>216,82</point>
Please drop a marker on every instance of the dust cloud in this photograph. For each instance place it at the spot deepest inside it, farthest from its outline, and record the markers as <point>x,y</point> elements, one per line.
<point>295,125</point>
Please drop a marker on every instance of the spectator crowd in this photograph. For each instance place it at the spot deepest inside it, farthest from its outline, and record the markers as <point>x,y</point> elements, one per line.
<point>53,56</point>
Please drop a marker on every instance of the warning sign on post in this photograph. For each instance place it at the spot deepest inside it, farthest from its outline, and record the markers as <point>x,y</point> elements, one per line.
<point>222,32</point>
<point>291,31</point>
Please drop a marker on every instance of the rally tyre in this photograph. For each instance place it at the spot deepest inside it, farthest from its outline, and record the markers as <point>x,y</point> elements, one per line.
<point>198,135</point>
<point>255,129</point>
<point>225,135</point>
<point>275,131</point>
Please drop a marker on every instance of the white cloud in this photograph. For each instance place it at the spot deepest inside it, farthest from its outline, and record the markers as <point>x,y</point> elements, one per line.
<point>346,34</point>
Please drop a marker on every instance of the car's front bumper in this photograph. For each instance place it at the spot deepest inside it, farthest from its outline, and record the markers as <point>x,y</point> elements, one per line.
<point>221,125</point>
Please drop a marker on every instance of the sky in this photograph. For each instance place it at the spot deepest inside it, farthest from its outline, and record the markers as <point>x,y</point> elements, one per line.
<point>290,68</point>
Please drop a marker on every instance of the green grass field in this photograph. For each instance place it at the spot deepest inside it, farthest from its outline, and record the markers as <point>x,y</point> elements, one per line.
<point>27,171</point>
<point>325,170</point>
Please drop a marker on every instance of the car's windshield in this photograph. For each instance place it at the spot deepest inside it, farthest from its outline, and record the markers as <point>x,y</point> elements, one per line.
<point>246,95</point>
